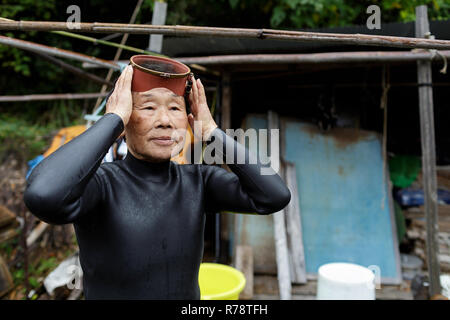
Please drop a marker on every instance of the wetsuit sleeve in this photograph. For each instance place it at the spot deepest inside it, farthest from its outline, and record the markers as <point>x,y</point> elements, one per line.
<point>66,184</point>
<point>245,189</point>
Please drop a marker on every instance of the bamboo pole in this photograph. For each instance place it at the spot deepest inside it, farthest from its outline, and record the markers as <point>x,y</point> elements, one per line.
<point>35,47</point>
<point>312,58</point>
<point>73,69</point>
<point>90,61</point>
<point>97,41</point>
<point>128,48</point>
<point>106,43</point>
<point>424,79</point>
<point>51,96</point>
<point>178,30</point>
<point>359,84</point>
<point>317,58</point>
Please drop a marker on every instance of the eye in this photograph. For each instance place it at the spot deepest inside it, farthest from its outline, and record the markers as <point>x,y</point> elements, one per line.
<point>174,108</point>
<point>149,108</point>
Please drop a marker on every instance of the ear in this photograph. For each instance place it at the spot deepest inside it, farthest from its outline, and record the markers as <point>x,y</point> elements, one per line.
<point>123,134</point>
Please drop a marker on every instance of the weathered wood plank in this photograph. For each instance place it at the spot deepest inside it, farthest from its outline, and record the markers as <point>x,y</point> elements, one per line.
<point>281,246</point>
<point>6,281</point>
<point>6,216</point>
<point>293,227</point>
<point>265,287</point>
<point>244,263</point>
<point>36,233</point>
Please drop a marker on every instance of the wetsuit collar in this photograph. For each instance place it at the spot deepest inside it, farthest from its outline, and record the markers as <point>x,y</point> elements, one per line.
<point>149,170</point>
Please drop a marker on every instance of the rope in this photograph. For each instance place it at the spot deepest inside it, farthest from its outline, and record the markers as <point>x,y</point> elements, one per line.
<point>435,53</point>
<point>444,68</point>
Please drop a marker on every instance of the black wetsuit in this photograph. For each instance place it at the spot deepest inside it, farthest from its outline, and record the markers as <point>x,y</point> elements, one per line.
<point>140,225</point>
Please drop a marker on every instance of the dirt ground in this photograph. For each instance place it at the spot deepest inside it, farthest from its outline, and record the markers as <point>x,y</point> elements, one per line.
<point>29,266</point>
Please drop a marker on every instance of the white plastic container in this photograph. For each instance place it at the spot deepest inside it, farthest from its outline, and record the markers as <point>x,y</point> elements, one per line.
<point>345,281</point>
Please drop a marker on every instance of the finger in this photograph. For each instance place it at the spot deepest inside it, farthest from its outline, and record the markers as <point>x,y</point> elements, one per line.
<point>195,89</point>
<point>121,80</point>
<point>191,93</point>
<point>194,96</point>
<point>112,93</point>
<point>201,89</point>
<point>128,77</point>
<point>191,121</point>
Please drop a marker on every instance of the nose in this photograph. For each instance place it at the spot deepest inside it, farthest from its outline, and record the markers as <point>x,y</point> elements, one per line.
<point>163,118</point>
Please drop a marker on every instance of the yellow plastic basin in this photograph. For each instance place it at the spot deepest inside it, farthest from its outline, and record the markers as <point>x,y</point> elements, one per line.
<point>220,282</point>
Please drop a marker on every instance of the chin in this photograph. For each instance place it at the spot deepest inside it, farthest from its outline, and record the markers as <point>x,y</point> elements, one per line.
<point>156,153</point>
<point>158,157</point>
<point>161,155</point>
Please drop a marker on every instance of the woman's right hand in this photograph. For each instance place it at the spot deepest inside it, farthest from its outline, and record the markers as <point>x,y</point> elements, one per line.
<point>121,102</point>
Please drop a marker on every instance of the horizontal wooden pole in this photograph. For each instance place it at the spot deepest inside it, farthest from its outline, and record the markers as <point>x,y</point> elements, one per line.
<point>316,58</point>
<point>311,58</point>
<point>77,71</point>
<point>31,46</point>
<point>51,96</point>
<point>177,30</point>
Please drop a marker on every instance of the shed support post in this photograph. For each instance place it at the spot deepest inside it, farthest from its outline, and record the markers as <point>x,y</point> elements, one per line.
<point>158,18</point>
<point>428,155</point>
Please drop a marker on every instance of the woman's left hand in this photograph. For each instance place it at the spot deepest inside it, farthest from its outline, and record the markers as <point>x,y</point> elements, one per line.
<point>200,110</point>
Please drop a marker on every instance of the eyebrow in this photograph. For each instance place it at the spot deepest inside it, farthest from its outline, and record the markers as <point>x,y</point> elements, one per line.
<point>149,95</point>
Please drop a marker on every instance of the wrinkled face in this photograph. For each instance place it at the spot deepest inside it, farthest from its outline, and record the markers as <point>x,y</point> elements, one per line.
<point>157,126</point>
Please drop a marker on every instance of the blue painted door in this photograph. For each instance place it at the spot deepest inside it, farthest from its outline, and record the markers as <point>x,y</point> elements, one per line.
<point>344,199</point>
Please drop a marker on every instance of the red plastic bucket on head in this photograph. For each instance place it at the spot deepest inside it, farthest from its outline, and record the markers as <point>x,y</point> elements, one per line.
<point>155,72</point>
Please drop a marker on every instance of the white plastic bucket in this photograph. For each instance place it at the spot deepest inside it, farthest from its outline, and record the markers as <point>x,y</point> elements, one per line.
<point>345,281</point>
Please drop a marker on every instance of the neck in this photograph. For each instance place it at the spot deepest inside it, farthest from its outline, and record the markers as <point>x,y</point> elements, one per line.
<point>139,156</point>
<point>146,168</point>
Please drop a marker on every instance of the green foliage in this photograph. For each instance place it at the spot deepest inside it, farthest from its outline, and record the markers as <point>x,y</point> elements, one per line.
<point>6,247</point>
<point>22,10</point>
<point>293,14</point>
<point>18,276</point>
<point>329,13</point>
<point>404,10</point>
<point>41,269</point>
<point>33,282</point>
<point>23,139</point>
<point>233,3</point>
<point>44,266</point>
<point>316,13</point>
<point>29,134</point>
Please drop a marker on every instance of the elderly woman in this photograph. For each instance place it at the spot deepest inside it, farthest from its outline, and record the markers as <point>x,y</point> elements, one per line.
<point>140,221</point>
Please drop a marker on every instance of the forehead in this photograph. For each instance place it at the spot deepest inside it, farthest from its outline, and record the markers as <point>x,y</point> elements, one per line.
<point>156,93</point>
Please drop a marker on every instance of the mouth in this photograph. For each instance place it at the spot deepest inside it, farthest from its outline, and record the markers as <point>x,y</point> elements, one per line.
<point>163,140</point>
